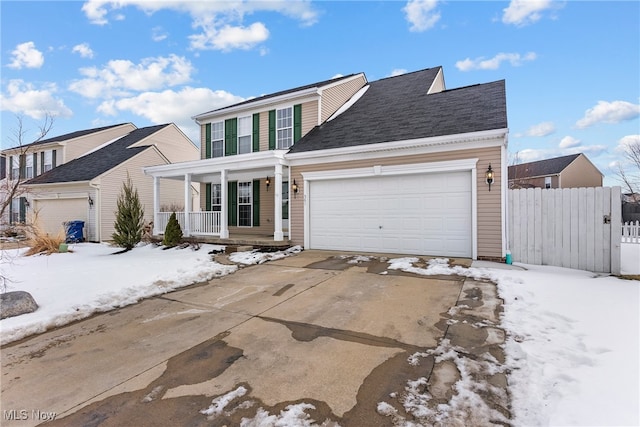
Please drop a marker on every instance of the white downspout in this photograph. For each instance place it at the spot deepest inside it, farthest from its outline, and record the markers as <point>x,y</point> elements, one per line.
<point>278,235</point>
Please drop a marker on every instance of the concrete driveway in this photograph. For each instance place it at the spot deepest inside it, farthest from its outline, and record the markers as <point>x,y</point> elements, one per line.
<point>319,336</point>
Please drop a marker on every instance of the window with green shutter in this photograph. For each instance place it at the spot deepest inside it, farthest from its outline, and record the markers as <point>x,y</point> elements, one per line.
<point>256,202</point>
<point>207,141</point>
<point>207,203</point>
<point>297,122</point>
<point>272,129</point>
<point>256,132</point>
<point>232,203</point>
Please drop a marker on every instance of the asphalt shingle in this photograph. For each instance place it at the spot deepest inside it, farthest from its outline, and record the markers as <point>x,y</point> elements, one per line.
<point>541,167</point>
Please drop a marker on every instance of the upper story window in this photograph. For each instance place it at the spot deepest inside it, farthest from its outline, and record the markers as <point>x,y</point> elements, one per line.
<point>217,139</point>
<point>245,130</point>
<point>547,182</point>
<point>47,163</point>
<point>28,166</point>
<point>284,128</point>
<point>15,167</point>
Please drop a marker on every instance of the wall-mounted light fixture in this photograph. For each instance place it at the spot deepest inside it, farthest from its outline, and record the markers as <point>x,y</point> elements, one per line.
<point>294,187</point>
<point>268,182</point>
<point>489,176</point>
<point>90,200</point>
<point>26,203</point>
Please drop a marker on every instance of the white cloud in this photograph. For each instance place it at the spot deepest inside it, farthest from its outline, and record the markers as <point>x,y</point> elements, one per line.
<point>569,142</point>
<point>481,63</point>
<point>421,14</point>
<point>25,98</point>
<point>172,106</point>
<point>609,112</point>
<point>541,129</point>
<point>83,49</point>
<point>523,12</point>
<point>25,55</point>
<point>397,72</point>
<point>121,77</point>
<point>626,141</point>
<point>158,34</point>
<point>228,38</point>
<point>220,22</point>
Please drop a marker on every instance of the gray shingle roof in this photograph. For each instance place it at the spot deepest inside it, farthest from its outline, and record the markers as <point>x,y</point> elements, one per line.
<point>399,108</point>
<point>280,93</point>
<point>541,167</point>
<point>91,165</point>
<point>72,135</point>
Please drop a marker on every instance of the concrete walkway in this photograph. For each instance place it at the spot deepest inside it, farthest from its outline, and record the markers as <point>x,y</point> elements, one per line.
<point>330,333</point>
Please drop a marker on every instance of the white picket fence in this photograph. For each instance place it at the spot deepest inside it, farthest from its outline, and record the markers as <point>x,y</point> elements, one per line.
<point>631,232</point>
<point>575,228</point>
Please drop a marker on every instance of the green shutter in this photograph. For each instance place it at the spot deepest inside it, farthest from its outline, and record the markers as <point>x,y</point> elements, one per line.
<point>272,129</point>
<point>23,166</point>
<point>231,137</point>
<point>256,132</point>
<point>207,141</point>
<point>232,204</point>
<point>207,203</point>
<point>10,213</point>
<point>256,202</point>
<point>23,209</point>
<point>53,158</point>
<point>42,162</point>
<point>297,122</point>
<point>10,171</point>
<point>35,164</point>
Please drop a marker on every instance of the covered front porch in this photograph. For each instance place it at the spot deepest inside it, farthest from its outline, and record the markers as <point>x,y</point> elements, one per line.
<point>243,198</point>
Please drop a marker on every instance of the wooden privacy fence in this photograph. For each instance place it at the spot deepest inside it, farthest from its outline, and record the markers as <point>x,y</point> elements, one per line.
<point>571,227</point>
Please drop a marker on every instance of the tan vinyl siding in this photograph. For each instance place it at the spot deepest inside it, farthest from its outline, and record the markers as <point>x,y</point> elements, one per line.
<point>173,144</point>
<point>580,173</point>
<point>309,116</point>
<point>489,208</point>
<point>334,97</point>
<point>203,141</point>
<point>80,146</point>
<point>171,191</point>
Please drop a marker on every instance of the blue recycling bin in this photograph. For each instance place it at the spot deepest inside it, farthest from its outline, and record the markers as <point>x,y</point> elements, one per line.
<point>74,231</point>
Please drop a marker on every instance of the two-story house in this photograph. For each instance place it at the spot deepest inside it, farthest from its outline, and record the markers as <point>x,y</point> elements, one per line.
<point>571,171</point>
<point>397,165</point>
<point>78,176</point>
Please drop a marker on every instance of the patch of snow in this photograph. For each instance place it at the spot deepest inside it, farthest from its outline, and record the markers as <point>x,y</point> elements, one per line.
<point>219,403</point>
<point>257,257</point>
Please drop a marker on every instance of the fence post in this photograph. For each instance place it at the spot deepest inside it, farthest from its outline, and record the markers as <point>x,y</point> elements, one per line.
<point>616,227</point>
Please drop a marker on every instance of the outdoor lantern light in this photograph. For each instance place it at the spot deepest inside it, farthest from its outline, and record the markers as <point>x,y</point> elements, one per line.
<point>294,187</point>
<point>26,203</point>
<point>90,200</point>
<point>489,176</point>
<point>268,182</point>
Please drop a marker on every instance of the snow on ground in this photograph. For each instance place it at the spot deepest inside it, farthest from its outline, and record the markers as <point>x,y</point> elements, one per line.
<point>573,337</point>
<point>91,279</point>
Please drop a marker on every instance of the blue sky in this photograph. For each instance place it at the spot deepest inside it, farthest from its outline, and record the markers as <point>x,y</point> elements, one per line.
<point>572,68</point>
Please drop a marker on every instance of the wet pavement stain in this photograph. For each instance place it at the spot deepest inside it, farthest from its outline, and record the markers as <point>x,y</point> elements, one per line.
<point>283,289</point>
<point>146,407</point>
<point>306,332</point>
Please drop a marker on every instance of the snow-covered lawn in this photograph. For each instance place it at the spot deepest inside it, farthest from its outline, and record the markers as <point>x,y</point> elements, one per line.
<point>573,346</point>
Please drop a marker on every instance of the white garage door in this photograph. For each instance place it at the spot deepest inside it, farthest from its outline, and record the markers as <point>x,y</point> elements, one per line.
<point>427,214</point>
<point>52,213</point>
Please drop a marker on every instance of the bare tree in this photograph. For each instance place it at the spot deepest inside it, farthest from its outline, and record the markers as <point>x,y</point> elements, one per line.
<point>628,171</point>
<point>11,186</point>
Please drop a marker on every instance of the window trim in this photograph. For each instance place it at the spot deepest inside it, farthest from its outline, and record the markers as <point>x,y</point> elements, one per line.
<point>217,140</point>
<point>248,133</point>
<point>249,185</point>
<point>278,128</point>
<point>50,159</point>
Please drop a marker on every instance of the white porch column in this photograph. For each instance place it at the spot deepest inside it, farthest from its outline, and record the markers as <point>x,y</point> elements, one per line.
<point>277,233</point>
<point>224,227</point>
<point>187,205</point>
<point>156,205</point>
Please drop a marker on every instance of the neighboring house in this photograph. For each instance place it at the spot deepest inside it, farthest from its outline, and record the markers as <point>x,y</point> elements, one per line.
<point>31,160</point>
<point>571,171</point>
<point>86,186</point>
<point>396,165</point>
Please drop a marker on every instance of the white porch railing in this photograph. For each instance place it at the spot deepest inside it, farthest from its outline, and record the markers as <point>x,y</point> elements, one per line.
<point>631,232</point>
<point>204,223</point>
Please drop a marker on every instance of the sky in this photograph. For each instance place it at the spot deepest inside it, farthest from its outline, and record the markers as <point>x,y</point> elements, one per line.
<point>571,67</point>
<point>572,346</point>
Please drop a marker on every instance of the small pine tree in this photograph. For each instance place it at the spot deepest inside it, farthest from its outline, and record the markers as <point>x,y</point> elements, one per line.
<point>172,232</point>
<point>129,222</point>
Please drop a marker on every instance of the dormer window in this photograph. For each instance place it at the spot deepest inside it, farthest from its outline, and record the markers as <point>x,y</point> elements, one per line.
<point>284,128</point>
